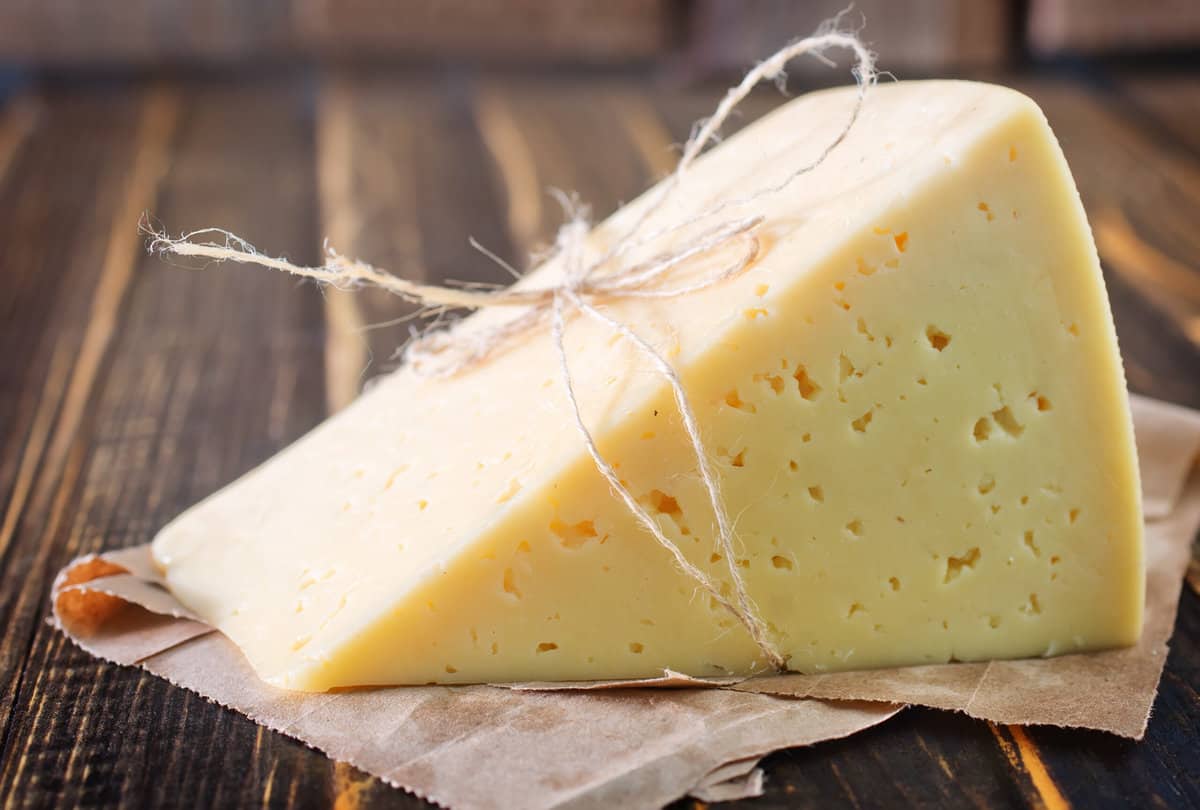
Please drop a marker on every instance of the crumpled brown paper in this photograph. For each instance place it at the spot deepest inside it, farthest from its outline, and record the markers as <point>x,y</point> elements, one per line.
<point>581,746</point>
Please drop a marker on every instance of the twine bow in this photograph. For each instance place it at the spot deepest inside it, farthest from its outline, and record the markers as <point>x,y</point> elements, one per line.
<point>587,283</point>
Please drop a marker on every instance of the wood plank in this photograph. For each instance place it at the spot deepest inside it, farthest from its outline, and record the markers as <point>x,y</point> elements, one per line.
<point>1108,26</point>
<point>18,119</point>
<point>145,33</point>
<point>55,342</point>
<point>368,211</point>
<point>921,36</point>
<point>1169,102</point>
<point>208,373</point>
<point>541,137</point>
<point>404,183</point>
<point>76,33</point>
<point>522,31</point>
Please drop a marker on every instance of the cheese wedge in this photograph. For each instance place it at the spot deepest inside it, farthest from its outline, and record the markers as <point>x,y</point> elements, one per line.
<point>913,398</point>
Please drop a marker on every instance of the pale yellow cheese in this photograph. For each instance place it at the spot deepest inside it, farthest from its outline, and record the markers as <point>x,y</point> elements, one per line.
<point>913,398</point>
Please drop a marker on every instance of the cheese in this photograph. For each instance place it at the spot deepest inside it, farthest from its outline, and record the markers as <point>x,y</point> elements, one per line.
<point>913,399</point>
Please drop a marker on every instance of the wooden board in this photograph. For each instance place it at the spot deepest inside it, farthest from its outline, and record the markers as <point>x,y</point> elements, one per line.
<point>913,37</point>
<point>1111,26</point>
<point>129,388</point>
<point>83,33</point>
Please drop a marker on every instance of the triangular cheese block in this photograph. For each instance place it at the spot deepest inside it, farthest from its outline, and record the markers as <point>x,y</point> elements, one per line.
<point>913,399</point>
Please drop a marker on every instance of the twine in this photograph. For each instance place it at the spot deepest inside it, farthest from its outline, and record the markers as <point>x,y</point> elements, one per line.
<point>587,283</point>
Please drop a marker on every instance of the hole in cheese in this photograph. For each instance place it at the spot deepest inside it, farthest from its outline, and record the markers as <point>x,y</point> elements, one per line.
<point>860,424</point>
<point>808,389</point>
<point>774,380</point>
<point>955,565</point>
<point>510,584</point>
<point>982,430</point>
<point>514,486</point>
<point>734,400</point>
<point>865,332</point>
<point>664,504</point>
<point>1005,419</point>
<point>575,535</point>
<point>846,368</point>
<point>1033,607</point>
<point>938,339</point>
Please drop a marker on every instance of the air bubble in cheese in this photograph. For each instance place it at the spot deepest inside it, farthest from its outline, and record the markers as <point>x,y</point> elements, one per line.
<point>913,399</point>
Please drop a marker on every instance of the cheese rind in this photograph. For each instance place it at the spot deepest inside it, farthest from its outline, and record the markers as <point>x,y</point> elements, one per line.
<point>913,397</point>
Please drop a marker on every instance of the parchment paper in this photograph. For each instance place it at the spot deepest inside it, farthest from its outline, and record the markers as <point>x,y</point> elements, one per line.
<point>646,743</point>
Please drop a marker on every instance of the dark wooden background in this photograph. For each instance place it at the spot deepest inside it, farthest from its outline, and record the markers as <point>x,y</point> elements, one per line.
<point>926,35</point>
<point>129,388</point>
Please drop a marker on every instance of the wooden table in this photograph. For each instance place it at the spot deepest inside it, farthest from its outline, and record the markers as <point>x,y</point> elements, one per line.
<point>129,389</point>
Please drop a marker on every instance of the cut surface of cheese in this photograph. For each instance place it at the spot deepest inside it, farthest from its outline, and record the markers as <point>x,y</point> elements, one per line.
<point>913,399</point>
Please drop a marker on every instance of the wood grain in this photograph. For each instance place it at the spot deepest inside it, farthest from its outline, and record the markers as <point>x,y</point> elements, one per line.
<point>403,183</point>
<point>727,36</point>
<point>1168,105</point>
<point>81,33</point>
<point>1098,26</point>
<point>540,139</point>
<point>205,374</point>
<point>55,367</point>
<point>588,31</point>
<point>130,388</point>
